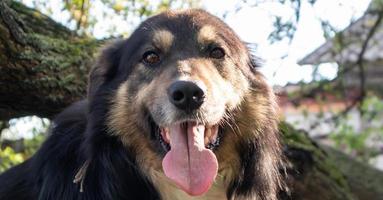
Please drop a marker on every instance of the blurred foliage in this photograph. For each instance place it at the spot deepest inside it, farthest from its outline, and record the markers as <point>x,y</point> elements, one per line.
<point>33,144</point>
<point>9,157</point>
<point>13,150</point>
<point>367,143</point>
<point>85,16</point>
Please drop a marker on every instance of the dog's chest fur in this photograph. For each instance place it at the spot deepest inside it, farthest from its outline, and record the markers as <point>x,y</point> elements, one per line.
<point>168,191</point>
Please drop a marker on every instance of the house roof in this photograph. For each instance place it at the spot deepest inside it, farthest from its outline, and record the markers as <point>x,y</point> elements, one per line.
<point>346,46</point>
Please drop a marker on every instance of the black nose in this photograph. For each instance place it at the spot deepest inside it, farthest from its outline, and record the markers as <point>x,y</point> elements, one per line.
<point>186,95</point>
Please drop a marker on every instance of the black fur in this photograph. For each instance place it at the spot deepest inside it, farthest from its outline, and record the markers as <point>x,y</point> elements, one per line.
<point>50,172</point>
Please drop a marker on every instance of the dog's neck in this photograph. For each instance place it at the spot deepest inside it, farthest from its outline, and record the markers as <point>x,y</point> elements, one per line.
<point>169,191</point>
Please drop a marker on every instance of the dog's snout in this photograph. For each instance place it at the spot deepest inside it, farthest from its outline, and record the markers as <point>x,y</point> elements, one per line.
<point>186,95</point>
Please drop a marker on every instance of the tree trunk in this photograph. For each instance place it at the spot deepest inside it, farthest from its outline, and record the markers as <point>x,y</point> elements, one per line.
<point>44,66</point>
<point>323,173</point>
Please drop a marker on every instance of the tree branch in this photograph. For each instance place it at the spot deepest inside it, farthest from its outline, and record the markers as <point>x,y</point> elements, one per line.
<point>360,61</point>
<point>47,70</point>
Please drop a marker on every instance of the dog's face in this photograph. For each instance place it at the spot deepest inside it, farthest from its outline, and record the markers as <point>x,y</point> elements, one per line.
<point>178,82</point>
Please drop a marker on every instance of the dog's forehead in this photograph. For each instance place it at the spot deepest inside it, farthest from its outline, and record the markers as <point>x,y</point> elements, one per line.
<point>188,30</point>
<point>164,38</point>
<point>188,24</point>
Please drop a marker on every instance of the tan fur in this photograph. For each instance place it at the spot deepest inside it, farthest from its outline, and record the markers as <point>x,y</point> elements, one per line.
<point>206,34</point>
<point>169,191</point>
<point>122,123</point>
<point>163,39</point>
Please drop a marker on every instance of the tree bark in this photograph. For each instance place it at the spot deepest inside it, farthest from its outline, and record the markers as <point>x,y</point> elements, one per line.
<point>43,68</point>
<point>43,65</point>
<point>365,182</point>
<point>322,173</point>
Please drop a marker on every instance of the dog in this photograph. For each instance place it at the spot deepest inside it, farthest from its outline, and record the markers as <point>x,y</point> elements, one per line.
<point>176,111</point>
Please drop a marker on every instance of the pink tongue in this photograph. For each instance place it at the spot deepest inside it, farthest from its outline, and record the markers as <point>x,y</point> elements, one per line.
<point>189,164</point>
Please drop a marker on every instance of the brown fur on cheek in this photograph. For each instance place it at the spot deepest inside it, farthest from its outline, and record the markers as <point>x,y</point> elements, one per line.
<point>257,121</point>
<point>153,97</point>
<point>227,156</point>
<point>231,71</point>
<point>123,122</point>
<point>230,83</point>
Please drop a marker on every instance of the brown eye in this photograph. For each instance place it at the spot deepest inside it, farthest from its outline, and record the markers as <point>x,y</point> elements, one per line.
<point>217,53</point>
<point>151,57</point>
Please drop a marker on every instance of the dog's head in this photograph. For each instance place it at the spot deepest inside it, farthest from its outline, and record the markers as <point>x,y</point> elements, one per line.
<point>186,98</point>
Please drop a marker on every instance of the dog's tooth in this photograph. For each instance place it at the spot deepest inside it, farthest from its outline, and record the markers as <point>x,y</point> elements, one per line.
<point>166,130</point>
<point>207,135</point>
<point>167,136</point>
<point>214,133</point>
<point>163,129</point>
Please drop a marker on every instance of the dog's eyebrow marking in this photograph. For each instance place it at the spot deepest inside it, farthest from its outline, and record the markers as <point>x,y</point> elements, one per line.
<point>163,39</point>
<point>206,34</point>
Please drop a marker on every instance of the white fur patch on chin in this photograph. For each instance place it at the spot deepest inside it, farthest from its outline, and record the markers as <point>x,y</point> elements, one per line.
<point>169,191</point>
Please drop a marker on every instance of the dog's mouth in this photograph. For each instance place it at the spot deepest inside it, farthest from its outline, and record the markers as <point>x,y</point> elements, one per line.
<point>212,135</point>
<point>189,160</point>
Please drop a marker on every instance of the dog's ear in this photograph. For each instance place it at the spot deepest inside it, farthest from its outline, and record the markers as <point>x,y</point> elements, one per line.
<point>106,66</point>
